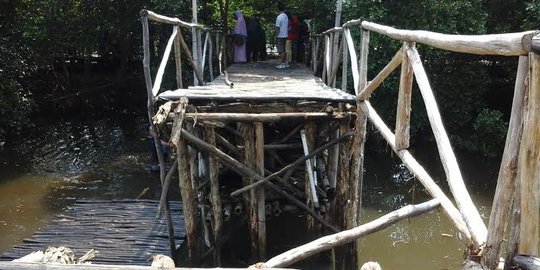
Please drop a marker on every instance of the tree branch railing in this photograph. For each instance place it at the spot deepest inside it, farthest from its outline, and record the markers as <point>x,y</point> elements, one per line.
<point>466,216</point>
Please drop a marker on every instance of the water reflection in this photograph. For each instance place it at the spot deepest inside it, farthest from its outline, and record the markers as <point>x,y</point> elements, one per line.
<point>65,161</point>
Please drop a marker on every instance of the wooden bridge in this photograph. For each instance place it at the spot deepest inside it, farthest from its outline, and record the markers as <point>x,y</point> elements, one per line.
<point>255,138</point>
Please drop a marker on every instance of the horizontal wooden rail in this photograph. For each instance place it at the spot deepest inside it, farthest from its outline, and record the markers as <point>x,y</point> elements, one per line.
<point>495,44</point>
<point>41,266</point>
<point>262,117</point>
<point>168,20</point>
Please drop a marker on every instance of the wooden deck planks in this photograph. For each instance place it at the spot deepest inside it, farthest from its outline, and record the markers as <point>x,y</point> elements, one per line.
<point>262,81</point>
<point>122,231</point>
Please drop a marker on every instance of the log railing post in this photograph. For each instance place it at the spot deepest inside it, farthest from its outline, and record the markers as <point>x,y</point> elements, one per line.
<point>354,58</point>
<point>529,164</point>
<point>363,61</point>
<point>504,193</point>
<point>403,114</point>
<point>345,66</point>
<point>464,202</point>
<point>260,191</point>
<point>178,61</point>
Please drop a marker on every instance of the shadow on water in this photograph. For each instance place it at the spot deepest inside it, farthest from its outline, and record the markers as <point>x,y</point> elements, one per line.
<point>58,163</point>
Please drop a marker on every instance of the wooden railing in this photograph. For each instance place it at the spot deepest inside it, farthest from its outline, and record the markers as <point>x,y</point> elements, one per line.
<point>335,52</point>
<point>200,54</point>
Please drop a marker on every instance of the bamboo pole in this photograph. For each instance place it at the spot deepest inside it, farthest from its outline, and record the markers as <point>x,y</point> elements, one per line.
<point>504,193</point>
<point>465,205</point>
<point>334,240</point>
<point>391,66</point>
<point>416,169</point>
<point>403,113</point>
<point>215,199</point>
<point>260,192</point>
<point>529,164</point>
<point>495,44</point>
<point>245,171</point>
<point>178,62</point>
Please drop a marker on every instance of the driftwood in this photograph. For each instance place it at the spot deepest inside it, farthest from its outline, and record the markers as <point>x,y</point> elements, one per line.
<point>466,207</point>
<point>344,237</point>
<point>504,193</point>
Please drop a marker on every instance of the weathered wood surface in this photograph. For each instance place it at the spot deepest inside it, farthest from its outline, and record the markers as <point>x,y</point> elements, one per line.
<point>39,266</point>
<point>403,114</point>
<point>372,86</point>
<point>262,81</point>
<point>529,167</point>
<point>466,207</point>
<point>122,231</point>
<point>495,44</point>
<point>505,192</point>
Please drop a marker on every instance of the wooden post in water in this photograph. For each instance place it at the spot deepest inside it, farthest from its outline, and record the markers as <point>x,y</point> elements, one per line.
<point>259,191</point>
<point>505,192</point>
<point>529,164</point>
<point>189,198</point>
<point>215,199</point>
<point>250,159</point>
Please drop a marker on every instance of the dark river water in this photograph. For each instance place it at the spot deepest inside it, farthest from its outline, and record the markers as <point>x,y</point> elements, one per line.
<point>58,163</point>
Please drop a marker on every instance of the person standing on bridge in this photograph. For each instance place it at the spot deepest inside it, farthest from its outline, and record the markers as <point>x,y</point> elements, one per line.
<point>240,35</point>
<point>282,27</point>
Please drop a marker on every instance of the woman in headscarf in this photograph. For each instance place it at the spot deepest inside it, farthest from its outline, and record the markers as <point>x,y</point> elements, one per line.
<point>240,35</point>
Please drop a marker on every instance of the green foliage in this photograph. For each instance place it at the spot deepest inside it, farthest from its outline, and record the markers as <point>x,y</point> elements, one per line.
<point>488,135</point>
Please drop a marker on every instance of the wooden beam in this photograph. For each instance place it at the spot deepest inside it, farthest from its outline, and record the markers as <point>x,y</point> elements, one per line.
<point>164,61</point>
<point>504,193</point>
<point>403,113</point>
<point>40,266</point>
<point>168,20</point>
<point>344,237</point>
<point>417,169</point>
<point>466,207</point>
<point>372,86</point>
<point>261,117</point>
<point>495,44</point>
<point>178,62</point>
<point>529,164</point>
<point>354,58</point>
<point>345,66</point>
<point>245,171</point>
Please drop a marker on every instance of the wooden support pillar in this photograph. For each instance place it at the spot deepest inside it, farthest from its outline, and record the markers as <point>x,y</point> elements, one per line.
<point>505,192</point>
<point>259,191</point>
<point>529,164</point>
<point>250,160</point>
<point>308,135</point>
<point>345,206</point>
<point>215,199</point>
<point>363,61</point>
<point>189,201</point>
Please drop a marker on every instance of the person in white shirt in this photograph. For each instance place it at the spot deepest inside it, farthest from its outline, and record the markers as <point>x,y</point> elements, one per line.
<point>282,27</point>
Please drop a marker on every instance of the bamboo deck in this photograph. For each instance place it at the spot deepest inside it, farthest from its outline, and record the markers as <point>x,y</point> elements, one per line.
<point>122,231</point>
<point>262,81</point>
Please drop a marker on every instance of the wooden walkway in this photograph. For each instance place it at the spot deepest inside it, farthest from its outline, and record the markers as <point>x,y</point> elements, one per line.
<point>122,231</point>
<point>262,81</point>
